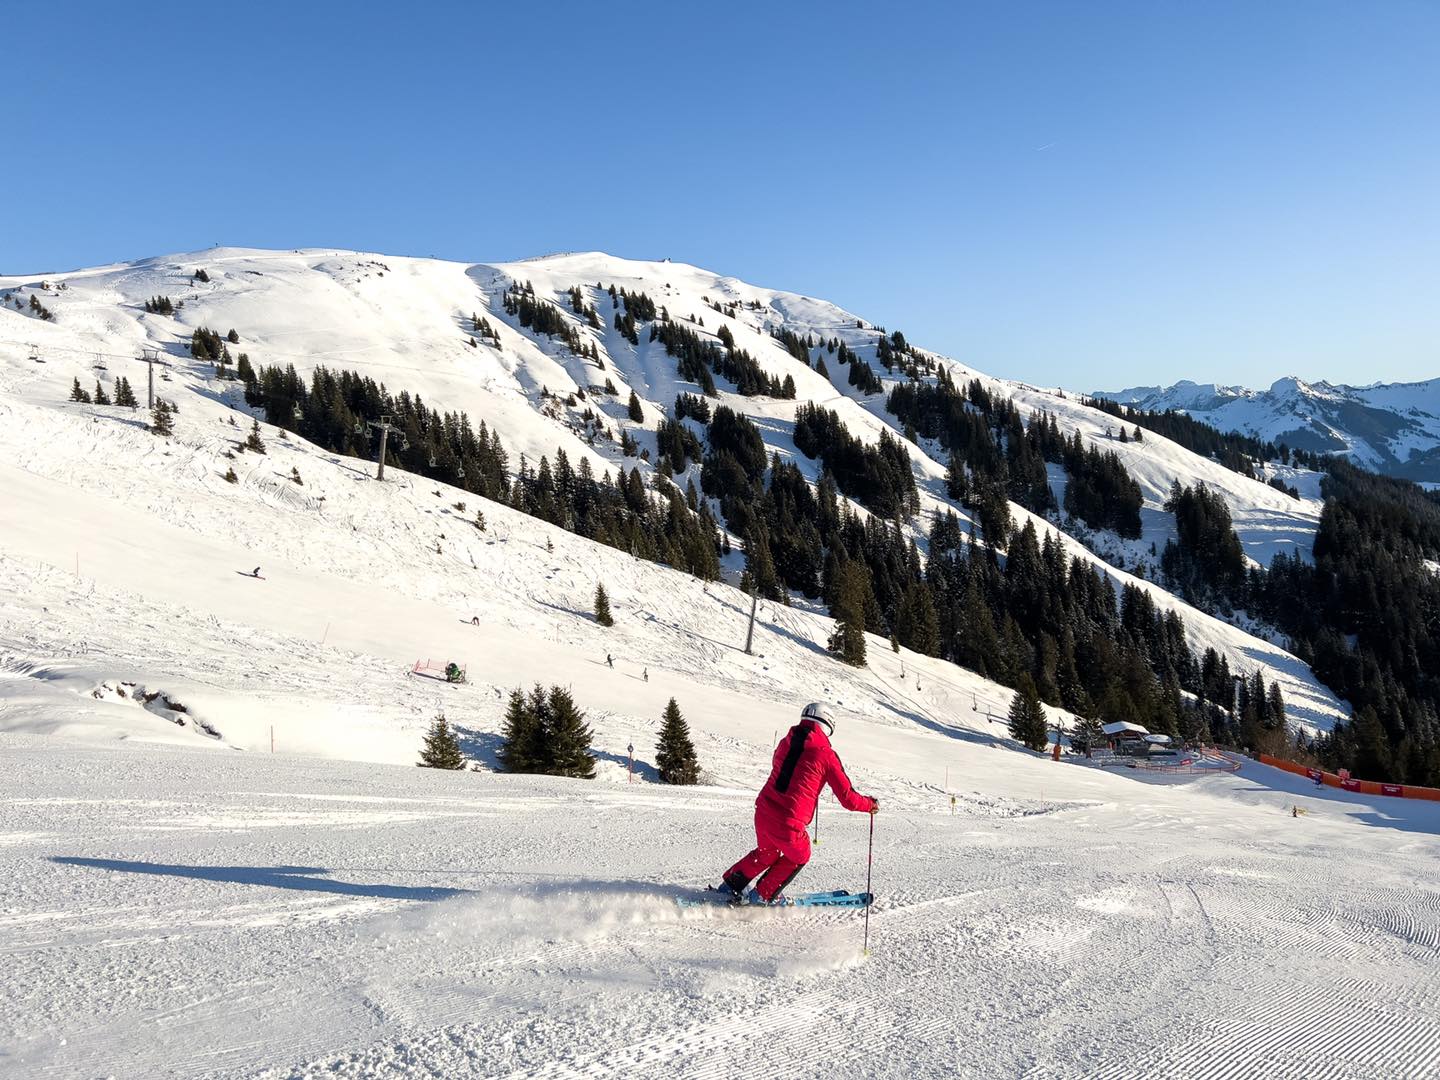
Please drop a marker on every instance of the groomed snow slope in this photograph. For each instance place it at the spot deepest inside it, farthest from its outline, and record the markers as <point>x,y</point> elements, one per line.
<point>169,913</point>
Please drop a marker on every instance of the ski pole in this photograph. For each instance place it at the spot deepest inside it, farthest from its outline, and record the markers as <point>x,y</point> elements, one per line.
<point>816,837</point>
<point>869,868</point>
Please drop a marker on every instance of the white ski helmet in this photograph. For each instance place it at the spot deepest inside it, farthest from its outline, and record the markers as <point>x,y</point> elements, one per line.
<point>821,714</point>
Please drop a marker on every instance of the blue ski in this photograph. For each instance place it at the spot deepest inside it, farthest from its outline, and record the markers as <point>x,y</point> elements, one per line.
<point>833,898</point>
<point>838,898</point>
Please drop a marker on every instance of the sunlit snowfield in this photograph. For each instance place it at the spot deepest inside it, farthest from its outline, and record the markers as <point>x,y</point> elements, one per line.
<point>174,913</point>
<point>180,901</point>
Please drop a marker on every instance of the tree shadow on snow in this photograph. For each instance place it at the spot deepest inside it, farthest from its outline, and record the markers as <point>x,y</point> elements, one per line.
<point>643,769</point>
<point>301,878</point>
<point>481,746</point>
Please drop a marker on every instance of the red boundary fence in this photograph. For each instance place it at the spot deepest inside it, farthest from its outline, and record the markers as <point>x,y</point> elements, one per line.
<point>1365,787</point>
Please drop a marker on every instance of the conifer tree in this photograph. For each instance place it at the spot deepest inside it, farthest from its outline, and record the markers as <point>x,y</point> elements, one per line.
<point>125,396</point>
<point>1027,716</point>
<point>522,747</point>
<point>253,440</point>
<point>602,606</point>
<point>160,419</point>
<point>230,477</point>
<point>441,749</point>
<point>917,624</point>
<point>567,738</point>
<point>634,410</point>
<point>848,641</point>
<point>674,752</point>
<point>760,574</point>
<point>101,398</point>
<point>79,393</point>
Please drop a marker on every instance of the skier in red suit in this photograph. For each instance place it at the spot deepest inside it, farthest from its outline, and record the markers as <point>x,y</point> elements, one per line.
<point>804,762</point>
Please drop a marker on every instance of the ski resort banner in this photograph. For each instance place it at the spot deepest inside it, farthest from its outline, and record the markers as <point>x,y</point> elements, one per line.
<point>1345,781</point>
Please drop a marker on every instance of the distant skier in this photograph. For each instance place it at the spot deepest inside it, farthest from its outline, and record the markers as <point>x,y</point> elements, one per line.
<point>255,572</point>
<point>609,659</point>
<point>475,620</point>
<point>646,673</point>
<point>803,763</point>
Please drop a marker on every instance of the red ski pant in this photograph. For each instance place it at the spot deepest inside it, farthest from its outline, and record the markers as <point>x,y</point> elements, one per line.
<point>781,850</point>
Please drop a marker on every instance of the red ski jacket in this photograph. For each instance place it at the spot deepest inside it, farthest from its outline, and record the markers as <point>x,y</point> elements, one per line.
<point>804,763</point>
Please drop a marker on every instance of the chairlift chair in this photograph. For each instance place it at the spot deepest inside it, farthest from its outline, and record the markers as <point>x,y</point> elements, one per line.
<point>460,471</point>
<point>359,427</point>
<point>296,414</point>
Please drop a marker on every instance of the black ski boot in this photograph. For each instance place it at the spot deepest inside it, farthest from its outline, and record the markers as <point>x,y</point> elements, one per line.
<point>733,889</point>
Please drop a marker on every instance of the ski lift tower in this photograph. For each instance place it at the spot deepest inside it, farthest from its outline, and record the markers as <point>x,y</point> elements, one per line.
<point>151,358</point>
<point>384,425</point>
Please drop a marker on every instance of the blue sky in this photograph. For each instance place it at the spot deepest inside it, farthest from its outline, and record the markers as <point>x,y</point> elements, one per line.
<point>1098,194</point>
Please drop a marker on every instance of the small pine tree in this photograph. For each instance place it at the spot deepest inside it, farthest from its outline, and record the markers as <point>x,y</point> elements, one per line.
<point>848,641</point>
<point>233,337</point>
<point>295,476</point>
<point>101,398</point>
<point>79,393</point>
<point>634,410</point>
<point>160,419</point>
<point>568,738</point>
<point>674,752</point>
<point>602,607</point>
<point>124,396</point>
<point>230,477</point>
<point>1027,716</point>
<point>253,440</point>
<point>441,749</point>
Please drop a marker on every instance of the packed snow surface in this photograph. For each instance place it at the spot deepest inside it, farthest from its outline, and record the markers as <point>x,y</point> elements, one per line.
<point>173,913</point>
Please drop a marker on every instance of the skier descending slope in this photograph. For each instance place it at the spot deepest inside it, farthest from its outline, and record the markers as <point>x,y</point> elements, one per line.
<point>804,762</point>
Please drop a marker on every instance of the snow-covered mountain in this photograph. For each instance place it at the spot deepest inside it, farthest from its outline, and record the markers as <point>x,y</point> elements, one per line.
<point>216,858</point>
<point>1392,428</point>
<point>408,323</point>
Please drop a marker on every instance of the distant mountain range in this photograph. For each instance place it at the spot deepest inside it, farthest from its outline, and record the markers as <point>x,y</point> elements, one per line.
<point>1393,428</point>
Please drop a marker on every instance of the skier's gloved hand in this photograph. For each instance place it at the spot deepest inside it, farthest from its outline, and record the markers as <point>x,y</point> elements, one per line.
<point>874,805</point>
